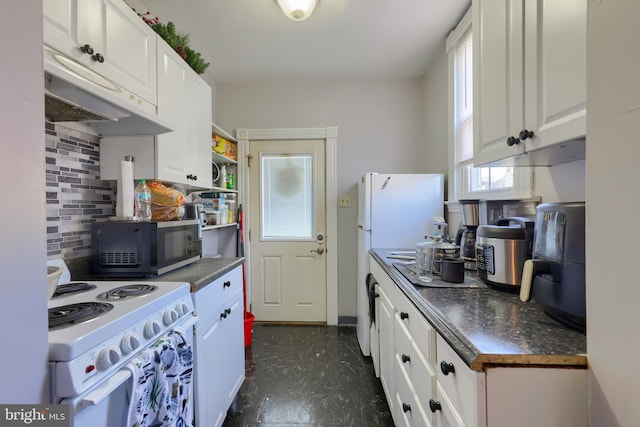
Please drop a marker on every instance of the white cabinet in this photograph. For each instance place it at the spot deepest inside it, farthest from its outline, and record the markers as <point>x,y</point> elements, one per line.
<point>106,36</point>
<point>182,156</point>
<point>415,350</point>
<point>432,386</point>
<point>462,389</point>
<point>219,347</point>
<point>529,75</point>
<point>385,312</point>
<point>184,101</point>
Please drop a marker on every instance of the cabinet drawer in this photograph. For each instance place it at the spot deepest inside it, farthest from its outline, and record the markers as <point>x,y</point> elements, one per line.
<point>419,329</point>
<point>218,292</point>
<point>409,411</point>
<point>464,388</point>
<point>410,359</point>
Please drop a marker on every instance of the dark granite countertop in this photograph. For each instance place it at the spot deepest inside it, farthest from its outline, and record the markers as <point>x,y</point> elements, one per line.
<point>490,327</point>
<point>198,274</point>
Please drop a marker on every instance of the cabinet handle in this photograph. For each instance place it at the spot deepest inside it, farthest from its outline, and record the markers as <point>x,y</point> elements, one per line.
<point>98,58</point>
<point>513,140</point>
<point>227,311</point>
<point>447,368</point>
<point>405,358</point>
<point>376,295</point>
<point>524,134</point>
<point>223,316</point>
<point>434,406</point>
<point>404,315</point>
<point>195,177</point>
<point>87,49</point>
<point>226,284</point>
<point>406,407</point>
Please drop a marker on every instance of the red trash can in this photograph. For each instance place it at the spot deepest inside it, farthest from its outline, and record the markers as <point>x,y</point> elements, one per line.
<point>248,328</point>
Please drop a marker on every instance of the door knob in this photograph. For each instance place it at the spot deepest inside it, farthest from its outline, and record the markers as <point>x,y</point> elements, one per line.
<point>319,251</point>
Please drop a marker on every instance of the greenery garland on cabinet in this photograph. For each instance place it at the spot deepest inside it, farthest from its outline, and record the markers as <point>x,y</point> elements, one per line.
<point>178,42</point>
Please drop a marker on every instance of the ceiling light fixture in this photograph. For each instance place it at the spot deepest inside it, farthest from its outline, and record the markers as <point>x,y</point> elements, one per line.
<point>297,10</point>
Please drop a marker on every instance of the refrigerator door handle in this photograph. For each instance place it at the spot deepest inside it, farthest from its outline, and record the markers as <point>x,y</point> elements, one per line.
<point>386,182</point>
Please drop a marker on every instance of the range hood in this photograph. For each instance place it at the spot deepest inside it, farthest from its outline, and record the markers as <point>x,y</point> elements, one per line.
<point>75,93</point>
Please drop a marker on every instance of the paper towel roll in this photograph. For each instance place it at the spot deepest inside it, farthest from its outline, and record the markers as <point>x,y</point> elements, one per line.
<point>124,199</point>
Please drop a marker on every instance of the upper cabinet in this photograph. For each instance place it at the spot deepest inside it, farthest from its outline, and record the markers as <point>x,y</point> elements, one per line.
<point>529,81</point>
<point>107,37</point>
<point>184,101</point>
<point>182,156</point>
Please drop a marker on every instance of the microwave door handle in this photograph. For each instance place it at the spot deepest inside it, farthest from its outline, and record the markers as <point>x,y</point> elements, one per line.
<point>98,395</point>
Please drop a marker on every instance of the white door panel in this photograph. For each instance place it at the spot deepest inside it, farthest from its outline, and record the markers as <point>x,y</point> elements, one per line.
<point>288,261</point>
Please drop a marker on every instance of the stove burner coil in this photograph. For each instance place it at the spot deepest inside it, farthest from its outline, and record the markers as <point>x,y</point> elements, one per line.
<point>127,291</point>
<point>72,288</point>
<point>71,314</point>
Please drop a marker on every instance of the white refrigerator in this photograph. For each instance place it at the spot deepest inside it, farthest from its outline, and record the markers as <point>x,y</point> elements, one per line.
<point>394,211</point>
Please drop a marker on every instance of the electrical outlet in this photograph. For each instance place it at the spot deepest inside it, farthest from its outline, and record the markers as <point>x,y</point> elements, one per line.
<point>345,201</point>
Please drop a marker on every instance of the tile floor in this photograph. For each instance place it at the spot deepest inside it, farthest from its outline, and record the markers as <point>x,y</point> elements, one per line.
<point>308,376</point>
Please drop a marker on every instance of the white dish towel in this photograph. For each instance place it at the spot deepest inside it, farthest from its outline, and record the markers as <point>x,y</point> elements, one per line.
<point>160,392</point>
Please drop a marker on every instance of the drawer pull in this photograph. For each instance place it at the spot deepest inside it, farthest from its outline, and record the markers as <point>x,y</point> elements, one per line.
<point>223,316</point>
<point>404,315</point>
<point>405,358</point>
<point>406,407</point>
<point>226,284</point>
<point>434,406</point>
<point>227,310</point>
<point>447,368</point>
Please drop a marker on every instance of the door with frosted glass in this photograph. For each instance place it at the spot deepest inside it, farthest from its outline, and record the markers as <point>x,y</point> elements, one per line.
<point>287,236</point>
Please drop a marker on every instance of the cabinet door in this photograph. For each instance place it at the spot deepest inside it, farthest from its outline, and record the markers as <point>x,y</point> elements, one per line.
<point>387,350</point>
<point>498,98</point>
<point>60,30</point>
<point>464,388</point>
<point>172,148</point>
<point>199,110</point>
<point>127,45</point>
<point>209,392</point>
<point>555,71</point>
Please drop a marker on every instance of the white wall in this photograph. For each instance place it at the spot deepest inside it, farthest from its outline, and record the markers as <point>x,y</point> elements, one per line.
<point>23,306</point>
<point>379,129</point>
<point>613,176</point>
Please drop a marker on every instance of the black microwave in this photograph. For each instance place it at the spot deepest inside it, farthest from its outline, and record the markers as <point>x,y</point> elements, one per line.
<point>143,249</point>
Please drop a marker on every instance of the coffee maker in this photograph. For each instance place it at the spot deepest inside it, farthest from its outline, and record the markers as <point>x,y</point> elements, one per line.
<point>555,277</point>
<point>466,237</point>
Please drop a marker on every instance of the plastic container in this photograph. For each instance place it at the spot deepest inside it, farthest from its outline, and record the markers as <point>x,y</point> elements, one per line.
<point>142,198</point>
<point>222,179</point>
<point>425,254</point>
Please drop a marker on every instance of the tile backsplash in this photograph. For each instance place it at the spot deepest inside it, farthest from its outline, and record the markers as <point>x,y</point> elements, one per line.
<point>75,195</point>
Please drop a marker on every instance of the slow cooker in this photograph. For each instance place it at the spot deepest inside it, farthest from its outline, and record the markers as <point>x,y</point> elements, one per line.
<point>501,250</point>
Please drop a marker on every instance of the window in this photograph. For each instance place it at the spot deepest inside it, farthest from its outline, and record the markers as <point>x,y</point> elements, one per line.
<point>471,182</point>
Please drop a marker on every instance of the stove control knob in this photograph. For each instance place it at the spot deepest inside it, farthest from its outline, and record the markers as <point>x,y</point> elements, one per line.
<point>129,343</point>
<point>108,357</point>
<point>169,317</point>
<point>182,309</point>
<point>151,329</point>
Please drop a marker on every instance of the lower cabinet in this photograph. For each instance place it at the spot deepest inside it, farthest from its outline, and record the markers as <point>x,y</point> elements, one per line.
<point>427,384</point>
<point>219,347</point>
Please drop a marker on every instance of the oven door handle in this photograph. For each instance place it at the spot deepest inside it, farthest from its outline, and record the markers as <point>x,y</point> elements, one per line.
<point>99,394</point>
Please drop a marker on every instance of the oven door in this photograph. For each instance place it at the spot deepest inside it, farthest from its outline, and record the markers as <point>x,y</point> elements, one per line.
<point>107,404</point>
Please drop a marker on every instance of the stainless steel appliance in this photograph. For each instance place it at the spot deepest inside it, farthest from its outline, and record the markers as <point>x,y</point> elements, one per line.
<point>141,249</point>
<point>394,211</point>
<point>501,250</point>
<point>556,274</point>
<point>99,332</point>
<point>466,237</point>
